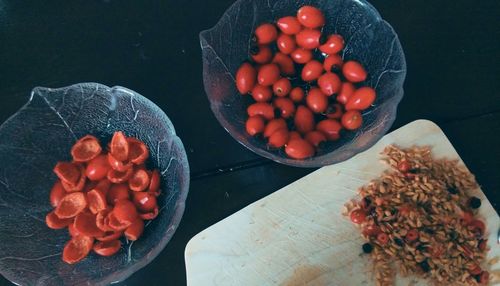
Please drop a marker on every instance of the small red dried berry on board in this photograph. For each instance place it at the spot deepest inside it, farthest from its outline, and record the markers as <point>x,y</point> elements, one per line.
<point>296,71</point>
<point>106,194</point>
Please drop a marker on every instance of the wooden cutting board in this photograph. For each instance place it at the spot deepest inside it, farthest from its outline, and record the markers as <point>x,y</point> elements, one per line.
<point>298,236</point>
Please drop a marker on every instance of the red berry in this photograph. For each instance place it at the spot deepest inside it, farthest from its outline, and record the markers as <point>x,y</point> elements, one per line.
<point>329,83</point>
<point>333,45</point>
<point>358,216</point>
<point>311,17</point>
<point>301,56</point>
<point>268,74</point>
<point>345,92</point>
<point>261,54</point>
<point>266,34</point>
<point>312,71</point>
<point>262,93</point>
<point>286,44</point>
<point>297,94</point>
<point>308,39</point>
<point>282,87</point>
<point>289,25</point>
<point>245,78</point>
<point>333,62</point>
<point>285,63</point>
<point>353,71</point>
<point>317,100</point>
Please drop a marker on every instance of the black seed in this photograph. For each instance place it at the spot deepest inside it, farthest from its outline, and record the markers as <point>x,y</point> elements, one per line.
<point>398,241</point>
<point>475,202</point>
<point>254,50</point>
<point>425,266</point>
<point>452,190</point>
<point>323,39</point>
<point>367,247</point>
<point>421,247</point>
<point>366,200</point>
<point>414,170</point>
<point>453,235</point>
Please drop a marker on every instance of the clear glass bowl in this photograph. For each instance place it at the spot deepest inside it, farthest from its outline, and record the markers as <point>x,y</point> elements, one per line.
<point>42,133</point>
<point>369,39</point>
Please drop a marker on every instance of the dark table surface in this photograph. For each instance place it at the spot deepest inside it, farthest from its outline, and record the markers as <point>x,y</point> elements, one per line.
<point>152,47</point>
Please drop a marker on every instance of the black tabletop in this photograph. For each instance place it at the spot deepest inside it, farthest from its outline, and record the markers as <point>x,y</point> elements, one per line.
<point>152,47</point>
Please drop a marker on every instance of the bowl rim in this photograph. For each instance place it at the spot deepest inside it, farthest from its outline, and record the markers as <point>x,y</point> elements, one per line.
<point>179,208</point>
<point>310,162</point>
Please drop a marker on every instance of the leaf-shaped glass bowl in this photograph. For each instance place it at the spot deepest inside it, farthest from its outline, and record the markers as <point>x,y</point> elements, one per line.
<point>42,133</point>
<point>369,40</point>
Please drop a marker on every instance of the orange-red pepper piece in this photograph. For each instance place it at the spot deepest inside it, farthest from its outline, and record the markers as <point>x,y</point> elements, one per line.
<point>86,149</point>
<point>107,248</point>
<point>57,193</point>
<point>119,146</point>
<point>138,151</point>
<point>139,181</point>
<point>54,222</point>
<point>79,185</point>
<point>145,202</point>
<point>96,200</point>
<point>67,172</point>
<point>117,177</point>
<point>71,205</point>
<point>116,193</point>
<point>135,230</point>
<point>110,235</point>
<point>85,223</point>
<point>125,212</point>
<point>77,249</point>
<point>114,223</point>
<point>118,165</point>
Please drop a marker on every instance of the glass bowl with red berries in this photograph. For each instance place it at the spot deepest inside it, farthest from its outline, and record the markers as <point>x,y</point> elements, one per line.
<point>303,83</point>
<point>93,181</point>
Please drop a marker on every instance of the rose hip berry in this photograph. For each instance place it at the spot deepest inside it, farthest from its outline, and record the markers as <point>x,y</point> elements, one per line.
<point>92,197</point>
<point>295,71</point>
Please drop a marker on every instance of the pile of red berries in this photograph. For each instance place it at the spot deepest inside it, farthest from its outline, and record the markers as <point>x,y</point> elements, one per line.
<point>296,70</point>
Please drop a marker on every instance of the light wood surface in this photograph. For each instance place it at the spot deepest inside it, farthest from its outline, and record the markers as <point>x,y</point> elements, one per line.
<point>298,236</point>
